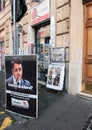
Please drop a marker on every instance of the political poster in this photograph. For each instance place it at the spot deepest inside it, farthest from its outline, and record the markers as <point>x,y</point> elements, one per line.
<point>55,76</point>
<point>21,85</point>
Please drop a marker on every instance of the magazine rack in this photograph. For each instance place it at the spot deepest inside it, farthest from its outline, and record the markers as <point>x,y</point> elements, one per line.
<point>56,70</point>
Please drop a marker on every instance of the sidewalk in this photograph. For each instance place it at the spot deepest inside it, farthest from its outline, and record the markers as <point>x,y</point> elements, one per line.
<point>68,112</point>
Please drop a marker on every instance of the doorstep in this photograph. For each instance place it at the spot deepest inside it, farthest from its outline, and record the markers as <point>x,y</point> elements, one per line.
<point>85,95</point>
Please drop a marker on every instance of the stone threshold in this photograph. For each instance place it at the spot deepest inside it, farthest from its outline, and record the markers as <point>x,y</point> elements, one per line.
<point>85,95</point>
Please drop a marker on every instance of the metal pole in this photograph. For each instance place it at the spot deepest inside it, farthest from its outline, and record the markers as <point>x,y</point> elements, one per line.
<point>14,25</point>
<point>15,49</point>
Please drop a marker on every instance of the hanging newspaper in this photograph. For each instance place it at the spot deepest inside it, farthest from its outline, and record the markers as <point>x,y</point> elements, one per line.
<point>58,54</point>
<point>55,76</point>
<point>21,85</point>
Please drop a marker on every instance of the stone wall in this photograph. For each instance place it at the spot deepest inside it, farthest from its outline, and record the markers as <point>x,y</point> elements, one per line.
<point>62,20</point>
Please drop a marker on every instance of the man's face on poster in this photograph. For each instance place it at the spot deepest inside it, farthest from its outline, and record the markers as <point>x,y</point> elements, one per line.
<point>17,71</point>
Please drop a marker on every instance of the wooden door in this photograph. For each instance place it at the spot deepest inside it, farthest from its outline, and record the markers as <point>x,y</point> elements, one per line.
<point>87,48</point>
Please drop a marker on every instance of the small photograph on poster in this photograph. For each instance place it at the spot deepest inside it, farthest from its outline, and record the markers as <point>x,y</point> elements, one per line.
<point>55,77</point>
<point>58,54</point>
<point>56,81</point>
<point>50,74</point>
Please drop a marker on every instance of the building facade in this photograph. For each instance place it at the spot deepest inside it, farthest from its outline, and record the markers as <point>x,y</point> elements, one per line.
<point>53,23</point>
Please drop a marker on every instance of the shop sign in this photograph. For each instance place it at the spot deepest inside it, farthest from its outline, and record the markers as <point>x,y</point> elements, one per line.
<point>40,12</point>
<point>44,31</point>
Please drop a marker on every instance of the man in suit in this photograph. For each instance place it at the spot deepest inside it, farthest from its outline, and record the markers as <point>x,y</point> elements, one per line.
<point>16,80</point>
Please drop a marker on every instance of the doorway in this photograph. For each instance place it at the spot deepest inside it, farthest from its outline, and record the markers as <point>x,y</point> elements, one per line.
<point>87,49</point>
<point>43,50</point>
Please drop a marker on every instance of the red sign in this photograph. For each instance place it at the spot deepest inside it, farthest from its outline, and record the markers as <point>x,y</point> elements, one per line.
<point>40,12</point>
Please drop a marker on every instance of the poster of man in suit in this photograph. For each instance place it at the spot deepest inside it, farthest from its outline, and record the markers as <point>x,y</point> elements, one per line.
<point>21,84</point>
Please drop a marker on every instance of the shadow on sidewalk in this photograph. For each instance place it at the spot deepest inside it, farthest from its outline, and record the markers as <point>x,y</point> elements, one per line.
<point>47,96</point>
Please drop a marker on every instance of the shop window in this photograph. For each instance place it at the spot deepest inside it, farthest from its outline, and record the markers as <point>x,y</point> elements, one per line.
<point>47,39</point>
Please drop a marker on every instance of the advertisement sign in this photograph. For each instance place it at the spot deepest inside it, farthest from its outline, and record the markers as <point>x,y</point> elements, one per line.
<point>40,12</point>
<point>55,76</point>
<point>21,85</point>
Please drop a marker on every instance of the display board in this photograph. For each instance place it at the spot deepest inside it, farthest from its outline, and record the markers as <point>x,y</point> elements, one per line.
<point>56,70</point>
<point>22,85</point>
<point>55,76</point>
